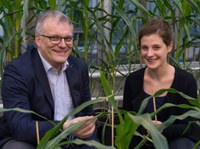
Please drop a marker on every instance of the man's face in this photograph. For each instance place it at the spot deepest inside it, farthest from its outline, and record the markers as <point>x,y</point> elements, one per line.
<point>55,52</point>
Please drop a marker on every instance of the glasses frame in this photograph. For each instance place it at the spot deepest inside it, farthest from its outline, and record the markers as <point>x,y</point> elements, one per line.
<point>57,39</point>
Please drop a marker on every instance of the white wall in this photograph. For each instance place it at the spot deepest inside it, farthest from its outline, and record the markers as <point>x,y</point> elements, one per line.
<point>1,29</point>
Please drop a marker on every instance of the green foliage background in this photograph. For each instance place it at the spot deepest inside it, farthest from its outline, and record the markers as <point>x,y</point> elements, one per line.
<point>102,27</point>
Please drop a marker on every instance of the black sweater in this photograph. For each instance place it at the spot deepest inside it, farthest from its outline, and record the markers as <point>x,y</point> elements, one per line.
<point>183,82</point>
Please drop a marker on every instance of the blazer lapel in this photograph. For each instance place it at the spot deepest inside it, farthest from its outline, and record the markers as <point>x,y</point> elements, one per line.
<point>72,78</point>
<point>41,76</point>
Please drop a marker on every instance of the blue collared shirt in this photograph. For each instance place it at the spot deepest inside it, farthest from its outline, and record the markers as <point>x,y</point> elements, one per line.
<point>59,88</point>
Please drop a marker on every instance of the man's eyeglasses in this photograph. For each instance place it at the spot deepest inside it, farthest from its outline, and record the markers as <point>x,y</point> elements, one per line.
<point>57,39</point>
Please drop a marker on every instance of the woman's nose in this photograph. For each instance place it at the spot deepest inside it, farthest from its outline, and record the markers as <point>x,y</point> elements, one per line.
<point>149,52</point>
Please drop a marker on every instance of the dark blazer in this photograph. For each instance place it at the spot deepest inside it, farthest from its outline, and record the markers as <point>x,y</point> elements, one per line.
<point>183,81</point>
<point>25,85</point>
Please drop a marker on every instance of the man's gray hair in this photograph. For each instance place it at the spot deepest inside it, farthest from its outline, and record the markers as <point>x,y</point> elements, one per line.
<point>58,17</point>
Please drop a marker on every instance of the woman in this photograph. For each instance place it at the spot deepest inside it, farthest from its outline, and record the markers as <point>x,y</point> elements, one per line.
<point>156,42</point>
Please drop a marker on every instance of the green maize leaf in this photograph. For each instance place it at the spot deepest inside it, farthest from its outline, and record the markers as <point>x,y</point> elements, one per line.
<point>158,139</point>
<point>92,143</point>
<point>48,136</point>
<point>125,132</point>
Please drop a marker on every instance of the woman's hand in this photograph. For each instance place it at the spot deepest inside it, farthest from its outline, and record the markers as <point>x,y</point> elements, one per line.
<point>157,123</point>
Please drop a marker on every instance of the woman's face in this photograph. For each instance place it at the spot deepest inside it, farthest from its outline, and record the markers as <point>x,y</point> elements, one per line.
<point>154,51</point>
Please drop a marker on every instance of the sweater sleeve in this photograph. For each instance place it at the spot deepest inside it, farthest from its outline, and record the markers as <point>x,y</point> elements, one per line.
<point>132,88</point>
<point>185,83</point>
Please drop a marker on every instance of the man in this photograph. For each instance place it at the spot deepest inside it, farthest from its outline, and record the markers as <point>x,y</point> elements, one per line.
<point>48,81</point>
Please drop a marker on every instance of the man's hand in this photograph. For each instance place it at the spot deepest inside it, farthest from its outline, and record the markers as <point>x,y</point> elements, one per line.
<point>85,130</point>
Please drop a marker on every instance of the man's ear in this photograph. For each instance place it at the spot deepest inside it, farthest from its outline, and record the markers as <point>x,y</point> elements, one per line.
<point>37,40</point>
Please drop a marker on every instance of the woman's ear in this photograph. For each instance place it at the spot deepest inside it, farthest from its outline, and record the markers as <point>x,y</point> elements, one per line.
<point>170,46</point>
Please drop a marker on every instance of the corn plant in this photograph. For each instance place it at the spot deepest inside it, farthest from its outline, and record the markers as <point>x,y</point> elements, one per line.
<point>108,32</point>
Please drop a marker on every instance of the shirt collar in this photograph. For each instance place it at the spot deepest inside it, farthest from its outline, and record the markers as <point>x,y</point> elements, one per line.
<point>48,66</point>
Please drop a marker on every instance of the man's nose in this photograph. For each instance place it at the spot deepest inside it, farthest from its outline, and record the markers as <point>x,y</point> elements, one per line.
<point>62,43</point>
